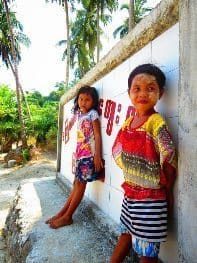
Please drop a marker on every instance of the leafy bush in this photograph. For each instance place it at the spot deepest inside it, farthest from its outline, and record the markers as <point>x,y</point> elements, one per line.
<point>26,155</point>
<point>51,138</point>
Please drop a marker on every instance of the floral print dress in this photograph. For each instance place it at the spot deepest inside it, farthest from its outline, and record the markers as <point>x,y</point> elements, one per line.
<point>86,147</point>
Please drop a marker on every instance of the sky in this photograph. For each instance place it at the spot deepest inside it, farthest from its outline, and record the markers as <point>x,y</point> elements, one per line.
<point>41,66</point>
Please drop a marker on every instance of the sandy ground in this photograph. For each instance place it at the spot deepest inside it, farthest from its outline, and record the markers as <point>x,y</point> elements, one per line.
<point>10,178</point>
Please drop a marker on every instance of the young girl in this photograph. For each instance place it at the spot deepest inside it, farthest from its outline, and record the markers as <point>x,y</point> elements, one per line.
<point>88,153</point>
<point>144,150</point>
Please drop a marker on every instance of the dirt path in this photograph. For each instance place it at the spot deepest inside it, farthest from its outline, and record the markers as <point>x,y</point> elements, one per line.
<point>10,180</point>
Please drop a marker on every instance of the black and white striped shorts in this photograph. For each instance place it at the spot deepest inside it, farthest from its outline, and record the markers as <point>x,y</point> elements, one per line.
<point>145,219</point>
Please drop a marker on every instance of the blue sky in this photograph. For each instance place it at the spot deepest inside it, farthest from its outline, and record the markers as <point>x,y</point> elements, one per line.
<point>41,66</point>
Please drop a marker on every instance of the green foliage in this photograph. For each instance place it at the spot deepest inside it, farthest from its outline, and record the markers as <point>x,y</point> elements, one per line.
<point>35,98</point>
<point>9,121</point>
<point>44,111</point>
<point>83,33</point>
<point>139,12</point>
<point>51,138</point>
<point>56,94</point>
<point>43,118</point>
<point>26,155</point>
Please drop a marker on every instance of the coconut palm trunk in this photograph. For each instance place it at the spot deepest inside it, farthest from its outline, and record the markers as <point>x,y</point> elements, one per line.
<point>18,95</point>
<point>64,3</point>
<point>68,43</point>
<point>131,15</point>
<point>21,89</point>
<point>98,36</point>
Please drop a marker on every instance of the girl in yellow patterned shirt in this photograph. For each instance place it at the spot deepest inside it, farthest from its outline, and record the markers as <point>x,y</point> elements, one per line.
<point>144,150</point>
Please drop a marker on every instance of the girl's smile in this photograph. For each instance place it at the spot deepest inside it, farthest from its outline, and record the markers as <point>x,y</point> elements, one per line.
<point>144,93</point>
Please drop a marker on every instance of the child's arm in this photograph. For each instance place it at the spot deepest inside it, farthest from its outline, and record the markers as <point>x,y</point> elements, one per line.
<point>97,136</point>
<point>72,121</point>
<point>168,163</point>
<point>170,174</point>
<point>68,125</point>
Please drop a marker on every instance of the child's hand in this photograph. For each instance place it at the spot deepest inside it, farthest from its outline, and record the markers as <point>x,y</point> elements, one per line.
<point>170,200</point>
<point>98,164</point>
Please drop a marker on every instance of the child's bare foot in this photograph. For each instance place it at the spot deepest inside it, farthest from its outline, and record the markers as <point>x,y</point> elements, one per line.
<point>51,219</point>
<point>60,222</point>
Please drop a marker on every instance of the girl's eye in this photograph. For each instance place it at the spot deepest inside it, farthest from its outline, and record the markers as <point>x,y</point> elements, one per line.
<point>136,88</point>
<point>151,88</point>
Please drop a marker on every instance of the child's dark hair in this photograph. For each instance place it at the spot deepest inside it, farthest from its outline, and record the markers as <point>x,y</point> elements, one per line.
<point>90,91</point>
<point>148,69</point>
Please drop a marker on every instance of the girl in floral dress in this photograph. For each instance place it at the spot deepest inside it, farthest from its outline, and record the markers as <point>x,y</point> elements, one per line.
<point>88,153</point>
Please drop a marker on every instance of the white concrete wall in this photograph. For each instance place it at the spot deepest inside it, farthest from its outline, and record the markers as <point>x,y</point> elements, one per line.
<point>187,131</point>
<point>164,52</point>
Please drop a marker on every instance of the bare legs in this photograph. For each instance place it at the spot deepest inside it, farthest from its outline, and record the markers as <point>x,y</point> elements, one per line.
<point>64,216</point>
<point>121,249</point>
<point>62,211</point>
<point>148,260</point>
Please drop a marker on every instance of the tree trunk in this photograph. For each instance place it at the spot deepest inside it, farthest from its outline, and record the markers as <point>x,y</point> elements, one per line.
<point>98,36</point>
<point>68,44</point>
<point>7,146</point>
<point>131,15</point>
<point>23,134</point>
<point>21,89</point>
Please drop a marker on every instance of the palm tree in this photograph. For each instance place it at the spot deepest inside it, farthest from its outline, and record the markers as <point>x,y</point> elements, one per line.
<point>85,34</point>
<point>5,47</point>
<point>64,3</point>
<point>99,7</point>
<point>10,53</point>
<point>5,43</point>
<point>136,11</point>
<point>131,15</point>
<point>83,42</point>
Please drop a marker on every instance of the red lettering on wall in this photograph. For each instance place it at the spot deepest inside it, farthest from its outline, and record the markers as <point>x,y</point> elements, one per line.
<point>66,130</point>
<point>100,106</point>
<point>117,116</point>
<point>68,124</point>
<point>109,114</point>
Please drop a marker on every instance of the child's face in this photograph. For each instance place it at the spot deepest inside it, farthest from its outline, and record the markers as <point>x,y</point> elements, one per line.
<point>85,102</point>
<point>144,93</point>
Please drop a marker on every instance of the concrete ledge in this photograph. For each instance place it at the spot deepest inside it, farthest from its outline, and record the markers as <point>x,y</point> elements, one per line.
<point>90,239</point>
<point>90,210</point>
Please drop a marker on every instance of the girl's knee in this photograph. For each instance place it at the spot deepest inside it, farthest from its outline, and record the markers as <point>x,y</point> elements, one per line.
<point>80,184</point>
<point>126,237</point>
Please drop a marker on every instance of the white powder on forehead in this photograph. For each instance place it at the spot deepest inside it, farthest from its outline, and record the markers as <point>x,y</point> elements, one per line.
<point>144,76</point>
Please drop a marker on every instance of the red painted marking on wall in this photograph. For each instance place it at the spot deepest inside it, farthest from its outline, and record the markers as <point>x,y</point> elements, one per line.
<point>66,131</point>
<point>101,101</point>
<point>109,114</point>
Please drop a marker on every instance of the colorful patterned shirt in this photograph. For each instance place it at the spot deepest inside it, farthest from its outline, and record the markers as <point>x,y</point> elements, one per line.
<point>85,134</point>
<point>142,153</point>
